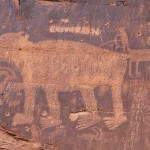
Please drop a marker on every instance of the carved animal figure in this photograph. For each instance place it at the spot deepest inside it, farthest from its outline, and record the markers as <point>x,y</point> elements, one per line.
<point>62,66</point>
<point>121,40</point>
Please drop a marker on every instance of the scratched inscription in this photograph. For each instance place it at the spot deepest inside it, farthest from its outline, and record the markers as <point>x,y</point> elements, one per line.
<point>77,30</point>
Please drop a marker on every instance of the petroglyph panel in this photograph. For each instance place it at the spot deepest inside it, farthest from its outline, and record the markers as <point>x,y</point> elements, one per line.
<point>74,75</point>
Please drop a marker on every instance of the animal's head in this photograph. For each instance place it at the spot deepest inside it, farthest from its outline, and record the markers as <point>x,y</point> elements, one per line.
<point>8,73</point>
<point>121,29</point>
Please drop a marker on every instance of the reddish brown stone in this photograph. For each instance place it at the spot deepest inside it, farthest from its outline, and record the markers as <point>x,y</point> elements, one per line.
<point>74,75</point>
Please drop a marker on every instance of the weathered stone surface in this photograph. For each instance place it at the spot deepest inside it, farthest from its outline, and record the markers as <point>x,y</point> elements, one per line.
<point>75,75</point>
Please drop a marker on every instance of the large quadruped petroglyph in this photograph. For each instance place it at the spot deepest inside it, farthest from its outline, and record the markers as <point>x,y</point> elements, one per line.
<point>74,74</point>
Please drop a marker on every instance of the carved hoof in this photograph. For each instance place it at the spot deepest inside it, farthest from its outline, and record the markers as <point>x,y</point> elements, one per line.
<point>122,120</point>
<point>113,122</point>
<point>21,119</point>
<point>75,116</point>
<point>139,75</point>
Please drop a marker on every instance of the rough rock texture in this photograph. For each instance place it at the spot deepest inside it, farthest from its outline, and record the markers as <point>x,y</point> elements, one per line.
<point>75,75</point>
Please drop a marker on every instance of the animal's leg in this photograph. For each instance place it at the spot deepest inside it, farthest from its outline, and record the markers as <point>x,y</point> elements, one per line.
<point>89,99</point>
<point>137,73</point>
<point>90,117</point>
<point>116,87</point>
<point>119,117</point>
<point>52,119</point>
<point>117,101</point>
<point>130,69</point>
<point>29,104</point>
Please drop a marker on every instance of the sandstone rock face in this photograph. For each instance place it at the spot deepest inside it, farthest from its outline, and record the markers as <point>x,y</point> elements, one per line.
<point>74,75</point>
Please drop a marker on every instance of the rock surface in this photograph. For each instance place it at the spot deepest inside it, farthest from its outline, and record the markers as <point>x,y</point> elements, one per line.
<point>75,75</point>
